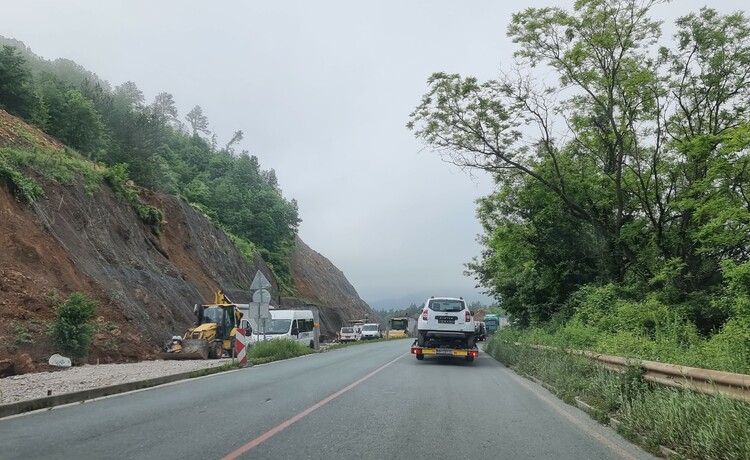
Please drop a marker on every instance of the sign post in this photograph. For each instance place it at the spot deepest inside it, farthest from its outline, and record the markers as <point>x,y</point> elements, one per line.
<point>261,298</point>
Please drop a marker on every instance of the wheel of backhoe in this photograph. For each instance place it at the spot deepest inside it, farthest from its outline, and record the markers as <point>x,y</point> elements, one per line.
<point>215,351</point>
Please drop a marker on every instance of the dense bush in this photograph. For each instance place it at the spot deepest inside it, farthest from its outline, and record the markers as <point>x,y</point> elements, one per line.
<point>72,329</point>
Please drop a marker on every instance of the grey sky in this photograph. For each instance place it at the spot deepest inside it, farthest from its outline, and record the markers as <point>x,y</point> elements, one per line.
<point>322,91</point>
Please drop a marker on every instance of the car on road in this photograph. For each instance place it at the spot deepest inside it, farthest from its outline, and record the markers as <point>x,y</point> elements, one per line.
<point>446,322</point>
<point>348,334</point>
<point>371,331</point>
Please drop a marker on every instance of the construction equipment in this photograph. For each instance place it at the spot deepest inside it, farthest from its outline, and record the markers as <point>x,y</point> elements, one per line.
<point>213,335</point>
<point>400,327</point>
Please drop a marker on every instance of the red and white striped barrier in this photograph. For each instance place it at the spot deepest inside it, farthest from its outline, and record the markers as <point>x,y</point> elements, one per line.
<point>240,346</point>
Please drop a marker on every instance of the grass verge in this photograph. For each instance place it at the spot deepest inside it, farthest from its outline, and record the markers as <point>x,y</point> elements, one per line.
<point>693,424</point>
<point>275,350</point>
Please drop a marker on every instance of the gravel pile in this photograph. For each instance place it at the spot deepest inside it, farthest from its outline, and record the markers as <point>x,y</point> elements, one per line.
<point>37,385</point>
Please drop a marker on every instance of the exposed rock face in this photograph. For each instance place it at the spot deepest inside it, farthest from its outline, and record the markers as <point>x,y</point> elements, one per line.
<point>320,283</point>
<point>146,284</point>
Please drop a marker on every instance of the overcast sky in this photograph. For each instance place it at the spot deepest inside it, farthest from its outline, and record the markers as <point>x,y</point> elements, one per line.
<point>322,91</point>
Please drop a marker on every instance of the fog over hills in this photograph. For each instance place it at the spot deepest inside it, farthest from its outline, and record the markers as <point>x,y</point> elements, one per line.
<point>418,297</point>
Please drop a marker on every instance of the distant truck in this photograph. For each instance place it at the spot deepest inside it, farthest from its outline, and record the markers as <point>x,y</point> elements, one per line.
<point>445,327</point>
<point>492,323</point>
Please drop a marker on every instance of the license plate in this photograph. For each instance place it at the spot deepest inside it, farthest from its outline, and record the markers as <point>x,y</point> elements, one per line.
<point>460,353</point>
<point>446,319</point>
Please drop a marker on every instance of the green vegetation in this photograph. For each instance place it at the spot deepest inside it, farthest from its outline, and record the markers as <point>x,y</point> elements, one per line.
<point>275,350</point>
<point>621,215</point>
<point>693,424</point>
<point>22,335</point>
<point>143,144</point>
<point>72,329</point>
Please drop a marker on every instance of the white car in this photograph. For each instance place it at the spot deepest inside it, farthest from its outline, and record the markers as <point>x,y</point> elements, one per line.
<point>371,331</point>
<point>445,322</point>
<point>348,334</point>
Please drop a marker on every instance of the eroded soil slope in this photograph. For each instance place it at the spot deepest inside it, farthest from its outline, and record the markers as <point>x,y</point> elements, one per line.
<point>146,284</point>
<point>146,281</point>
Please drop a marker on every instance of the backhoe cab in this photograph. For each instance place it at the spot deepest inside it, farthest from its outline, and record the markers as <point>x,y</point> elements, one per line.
<point>213,335</point>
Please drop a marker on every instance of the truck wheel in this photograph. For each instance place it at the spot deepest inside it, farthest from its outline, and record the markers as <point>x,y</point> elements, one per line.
<point>419,356</point>
<point>470,341</point>
<point>469,359</point>
<point>420,339</point>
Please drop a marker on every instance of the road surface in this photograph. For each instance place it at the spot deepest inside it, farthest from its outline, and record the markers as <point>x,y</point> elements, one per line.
<point>370,401</point>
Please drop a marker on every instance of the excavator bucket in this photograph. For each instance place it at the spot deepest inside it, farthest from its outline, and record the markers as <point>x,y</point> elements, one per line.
<point>191,349</point>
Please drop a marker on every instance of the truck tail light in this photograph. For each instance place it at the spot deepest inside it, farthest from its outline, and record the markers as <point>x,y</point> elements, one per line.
<point>425,313</point>
<point>474,353</point>
<point>468,316</point>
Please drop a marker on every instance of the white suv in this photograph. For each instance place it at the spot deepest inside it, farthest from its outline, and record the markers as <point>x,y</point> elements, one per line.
<point>445,322</point>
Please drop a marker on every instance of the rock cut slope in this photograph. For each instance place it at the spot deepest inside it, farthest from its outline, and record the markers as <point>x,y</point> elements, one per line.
<point>78,239</point>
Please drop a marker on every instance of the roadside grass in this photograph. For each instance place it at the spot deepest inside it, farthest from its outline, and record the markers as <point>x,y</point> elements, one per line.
<point>693,424</point>
<point>275,350</point>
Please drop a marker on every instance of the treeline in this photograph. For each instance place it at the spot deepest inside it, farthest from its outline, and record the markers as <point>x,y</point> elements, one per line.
<point>117,126</point>
<point>622,202</point>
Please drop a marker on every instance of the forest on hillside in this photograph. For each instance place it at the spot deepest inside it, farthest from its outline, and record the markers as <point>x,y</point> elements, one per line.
<point>152,145</point>
<point>621,216</point>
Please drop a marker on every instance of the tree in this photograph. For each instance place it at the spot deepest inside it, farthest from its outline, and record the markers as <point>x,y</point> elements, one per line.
<point>198,122</point>
<point>165,108</point>
<point>635,159</point>
<point>599,54</point>
<point>129,93</point>
<point>16,91</point>
<point>236,138</point>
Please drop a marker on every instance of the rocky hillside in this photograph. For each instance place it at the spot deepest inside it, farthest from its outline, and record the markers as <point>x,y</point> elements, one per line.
<point>319,282</point>
<point>78,239</point>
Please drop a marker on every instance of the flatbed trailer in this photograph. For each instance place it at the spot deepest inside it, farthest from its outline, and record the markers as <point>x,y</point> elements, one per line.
<point>467,353</point>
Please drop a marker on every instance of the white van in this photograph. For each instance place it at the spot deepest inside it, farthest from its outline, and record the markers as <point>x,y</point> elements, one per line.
<point>297,325</point>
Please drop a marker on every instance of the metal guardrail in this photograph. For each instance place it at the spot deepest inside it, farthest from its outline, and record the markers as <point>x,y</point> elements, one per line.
<point>736,386</point>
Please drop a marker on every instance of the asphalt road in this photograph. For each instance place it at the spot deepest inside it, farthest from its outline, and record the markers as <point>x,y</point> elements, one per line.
<point>371,401</point>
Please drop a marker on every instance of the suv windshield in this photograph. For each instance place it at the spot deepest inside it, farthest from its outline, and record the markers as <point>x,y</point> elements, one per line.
<point>446,305</point>
<point>371,327</point>
<point>347,330</point>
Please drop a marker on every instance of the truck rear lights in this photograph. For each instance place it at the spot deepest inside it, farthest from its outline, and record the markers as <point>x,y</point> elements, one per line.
<point>416,351</point>
<point>425,313</point>
<point>473,353</point>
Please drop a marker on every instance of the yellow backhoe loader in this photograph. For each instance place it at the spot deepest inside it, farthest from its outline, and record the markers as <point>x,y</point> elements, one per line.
<point>213,335</point>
